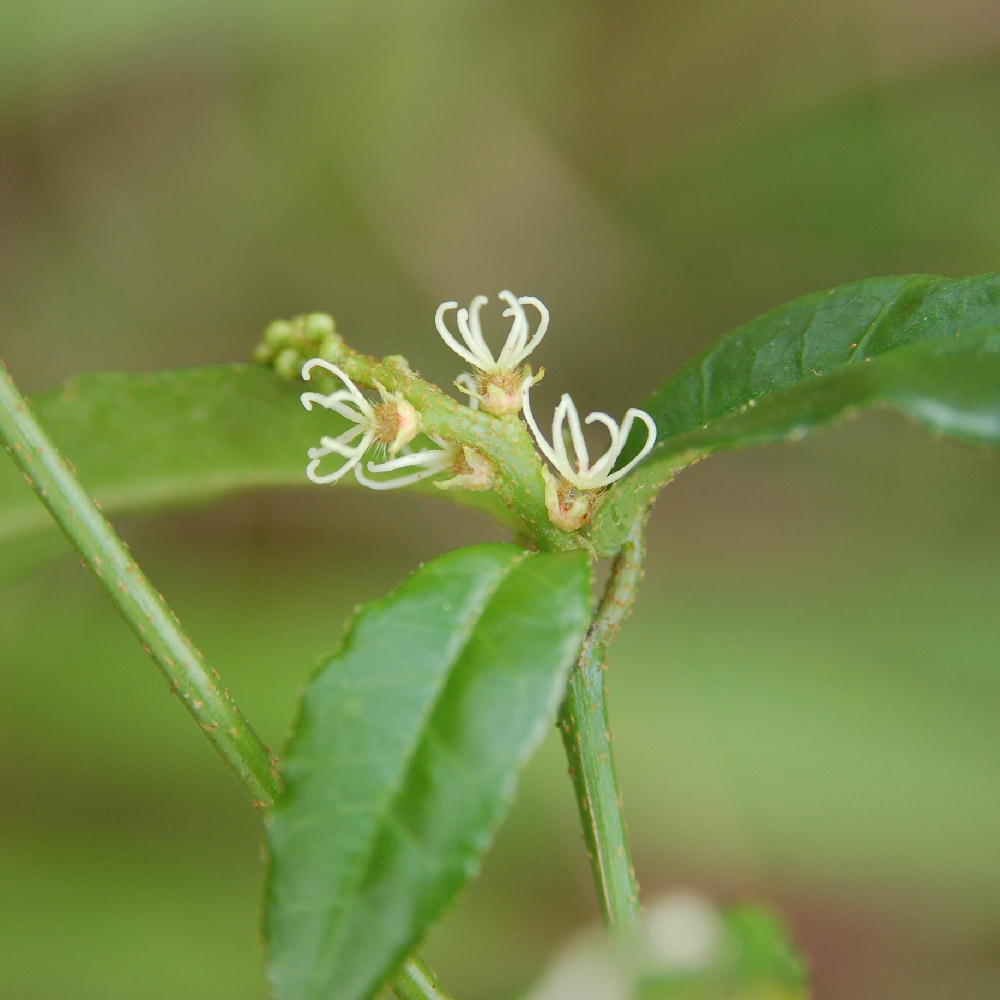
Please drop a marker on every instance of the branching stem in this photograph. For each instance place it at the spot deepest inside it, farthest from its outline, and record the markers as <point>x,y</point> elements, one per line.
<point>586,735</point>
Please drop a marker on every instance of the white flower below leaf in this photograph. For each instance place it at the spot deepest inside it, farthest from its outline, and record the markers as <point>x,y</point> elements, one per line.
<point>499,382</point>
<point>572,499</point>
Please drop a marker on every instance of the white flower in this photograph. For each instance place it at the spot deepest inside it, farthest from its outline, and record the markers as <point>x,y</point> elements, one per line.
<point>499,382</point>
<point>515,349</point>
<point>582,473</point>
<point>392,422</point>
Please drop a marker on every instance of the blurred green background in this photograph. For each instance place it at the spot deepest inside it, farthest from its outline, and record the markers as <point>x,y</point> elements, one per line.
<point>806,700</point>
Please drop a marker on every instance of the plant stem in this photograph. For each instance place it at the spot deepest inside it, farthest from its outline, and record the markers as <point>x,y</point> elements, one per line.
<point>155,625</point>
<point>415,981</point>
<point>586,734</point>
<point>138,601</point>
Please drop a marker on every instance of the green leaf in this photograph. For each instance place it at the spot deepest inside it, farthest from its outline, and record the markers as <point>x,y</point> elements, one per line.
<point>950,386</point>
<point>406,756</point>
<point>922,345</point>
<point>147,441</point>
<point>823,335</point>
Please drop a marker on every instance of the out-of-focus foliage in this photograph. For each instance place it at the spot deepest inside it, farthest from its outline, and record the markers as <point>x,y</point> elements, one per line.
<point>690,950</point>
<point>805,700</point>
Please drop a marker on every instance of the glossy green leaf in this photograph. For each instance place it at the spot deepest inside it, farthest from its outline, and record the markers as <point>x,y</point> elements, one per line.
<point>923,345</point>
<point>406,756</point>
<point>951,386</point>
<point>804,351</point>
<point>145,441</point>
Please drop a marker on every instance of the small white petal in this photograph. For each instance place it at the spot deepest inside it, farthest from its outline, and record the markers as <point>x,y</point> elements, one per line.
<point>330,446</point>
<point>467,383</point>
<point>432,457</point>
<point>587,476</point>
<point>630,417</point>
<point>341,445</point>
<point>474,329</point>
<point>563,464</point>
<point>543,325</point>
<point>576,436</point>
<point>448,338</point>
<point>543,445</point>
<point>475,350</point>
<point>607,459</point>
<point>432,461</point>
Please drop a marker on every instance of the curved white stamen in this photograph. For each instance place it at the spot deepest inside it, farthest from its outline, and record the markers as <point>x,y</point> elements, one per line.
<point>475,340</point>
<point>392,484</point>
<point>474,348</point>
<point>467,383</point>
<point>525,346</point>
<point>307,370</point>
<point>576,436</point>
<point>543,320</point>
<point>584,474</point>
<point>543,445</point>
<point>630,418</point>
<point>447,337</point>
<point>340,402</point>
<point>559,432</point>
<point>430,457</point>
<point>607,460</point>
<point>314,476</point>
<point>510,354</point>
<point>433,461</point>
<point>341,445</point>
<point>482,359</point>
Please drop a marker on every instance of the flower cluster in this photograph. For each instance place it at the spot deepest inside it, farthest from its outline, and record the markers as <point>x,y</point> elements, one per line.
<point>500,385</point>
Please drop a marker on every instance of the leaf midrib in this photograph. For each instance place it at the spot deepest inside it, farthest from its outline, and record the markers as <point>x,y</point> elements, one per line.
<point>351,893</point>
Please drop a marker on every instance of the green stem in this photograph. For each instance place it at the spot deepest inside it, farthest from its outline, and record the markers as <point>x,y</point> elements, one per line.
<point>415,981</point>
<point>155,625</point>
<point>586,734</point>
<point>138,601</point>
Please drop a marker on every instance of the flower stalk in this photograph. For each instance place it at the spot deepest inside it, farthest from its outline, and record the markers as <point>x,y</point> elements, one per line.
<point>586,734</point>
